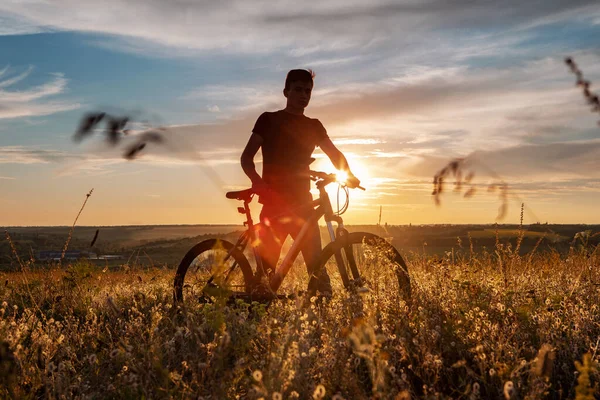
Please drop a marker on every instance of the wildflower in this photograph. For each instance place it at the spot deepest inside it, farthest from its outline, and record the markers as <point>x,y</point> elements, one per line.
<point>475,392</point>
<point>277,396</point>
<point>257,375</point>
<point>492,372</point>
<point>319,392</point>
<point>509,390</point>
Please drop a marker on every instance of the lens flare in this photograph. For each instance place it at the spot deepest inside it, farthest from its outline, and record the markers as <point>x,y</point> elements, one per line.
<point>341,176</point>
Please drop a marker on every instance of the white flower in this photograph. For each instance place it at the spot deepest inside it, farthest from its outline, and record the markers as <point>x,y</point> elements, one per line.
<point>319,392</point>
<point>257,375</point>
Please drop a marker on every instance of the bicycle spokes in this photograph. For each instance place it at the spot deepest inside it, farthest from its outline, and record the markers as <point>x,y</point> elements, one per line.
<point>213,274</point>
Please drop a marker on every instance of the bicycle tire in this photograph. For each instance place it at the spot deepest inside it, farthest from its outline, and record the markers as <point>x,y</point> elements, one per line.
<point>204,248</point>
<point>378,251</point>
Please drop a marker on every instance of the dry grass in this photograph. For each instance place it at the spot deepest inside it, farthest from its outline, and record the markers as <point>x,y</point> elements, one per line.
<point>482,326</point>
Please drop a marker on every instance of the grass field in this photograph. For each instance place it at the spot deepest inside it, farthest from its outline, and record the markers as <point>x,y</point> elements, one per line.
<point>495,324</point>
<point>126,236</point>
<point>514,233</point>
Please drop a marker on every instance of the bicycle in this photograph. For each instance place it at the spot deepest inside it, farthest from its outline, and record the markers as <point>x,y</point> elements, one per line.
<point>223,269</point>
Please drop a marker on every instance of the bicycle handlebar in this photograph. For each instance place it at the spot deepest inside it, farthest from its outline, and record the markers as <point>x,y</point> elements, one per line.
<point>329,178</point>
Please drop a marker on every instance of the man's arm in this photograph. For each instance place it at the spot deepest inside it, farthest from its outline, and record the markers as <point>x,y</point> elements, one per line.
<point>247,160</point>
<point>338,159</point>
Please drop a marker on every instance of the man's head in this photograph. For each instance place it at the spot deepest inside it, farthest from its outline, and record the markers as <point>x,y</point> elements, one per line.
<point>298,87</point>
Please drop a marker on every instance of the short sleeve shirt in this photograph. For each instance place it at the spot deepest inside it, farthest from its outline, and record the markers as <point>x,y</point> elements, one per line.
<point>288,143</point>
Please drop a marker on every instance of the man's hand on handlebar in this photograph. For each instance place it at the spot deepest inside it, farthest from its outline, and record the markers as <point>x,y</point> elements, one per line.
<point>352,182</point>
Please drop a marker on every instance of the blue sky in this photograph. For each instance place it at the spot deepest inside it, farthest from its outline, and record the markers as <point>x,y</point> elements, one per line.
<point>402,87</point>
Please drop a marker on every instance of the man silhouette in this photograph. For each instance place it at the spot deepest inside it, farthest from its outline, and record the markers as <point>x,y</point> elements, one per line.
<point>288,138</point>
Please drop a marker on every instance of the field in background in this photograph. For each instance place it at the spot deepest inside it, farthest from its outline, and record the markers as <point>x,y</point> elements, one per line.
<point>165,245</point>
<point>513,233</point>
<point>126,236</point>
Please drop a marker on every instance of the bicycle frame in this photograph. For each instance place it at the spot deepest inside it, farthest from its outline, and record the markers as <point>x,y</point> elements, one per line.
<point>322,208</point>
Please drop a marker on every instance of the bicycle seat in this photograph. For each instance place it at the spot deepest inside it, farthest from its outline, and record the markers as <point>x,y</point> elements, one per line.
<point>245,195</point>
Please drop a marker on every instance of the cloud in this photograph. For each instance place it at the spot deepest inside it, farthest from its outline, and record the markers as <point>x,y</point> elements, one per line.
<point>526,122</point>
<point>26,102</point>
<point>459,109</point>
<point>15,79</point>
<point>13,25</point>
<point>235,98</point>
<point>552,162</point>
<point>522,120</point>
<point>357,141</point>
<point>232,25</point>
<point>29,155</point>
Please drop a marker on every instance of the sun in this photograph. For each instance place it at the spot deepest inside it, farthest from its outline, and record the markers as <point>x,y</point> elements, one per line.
<point>358,168</point>
<point>342,176</point>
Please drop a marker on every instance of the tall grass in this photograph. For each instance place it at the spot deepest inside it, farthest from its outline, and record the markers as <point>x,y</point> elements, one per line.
<point>66,246</point>
<point>472,330</point>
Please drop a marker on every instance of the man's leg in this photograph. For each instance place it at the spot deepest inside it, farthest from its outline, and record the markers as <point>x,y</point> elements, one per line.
<point>311,251</point>
<point>270,240</point>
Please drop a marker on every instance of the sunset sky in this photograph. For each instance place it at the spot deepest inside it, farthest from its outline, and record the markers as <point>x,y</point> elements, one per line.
<point>402,87</point>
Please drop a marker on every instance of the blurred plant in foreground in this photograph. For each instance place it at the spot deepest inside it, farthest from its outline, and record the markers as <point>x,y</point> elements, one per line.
<point>584,84</point>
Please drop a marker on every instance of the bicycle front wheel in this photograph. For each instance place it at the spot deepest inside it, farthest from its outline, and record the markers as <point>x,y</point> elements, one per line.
<point>210,268</point>
<point>362,259</point>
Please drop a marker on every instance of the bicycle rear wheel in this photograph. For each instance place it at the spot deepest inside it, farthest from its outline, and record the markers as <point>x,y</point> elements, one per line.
<point>213,267</point>
<point>362,259</point>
